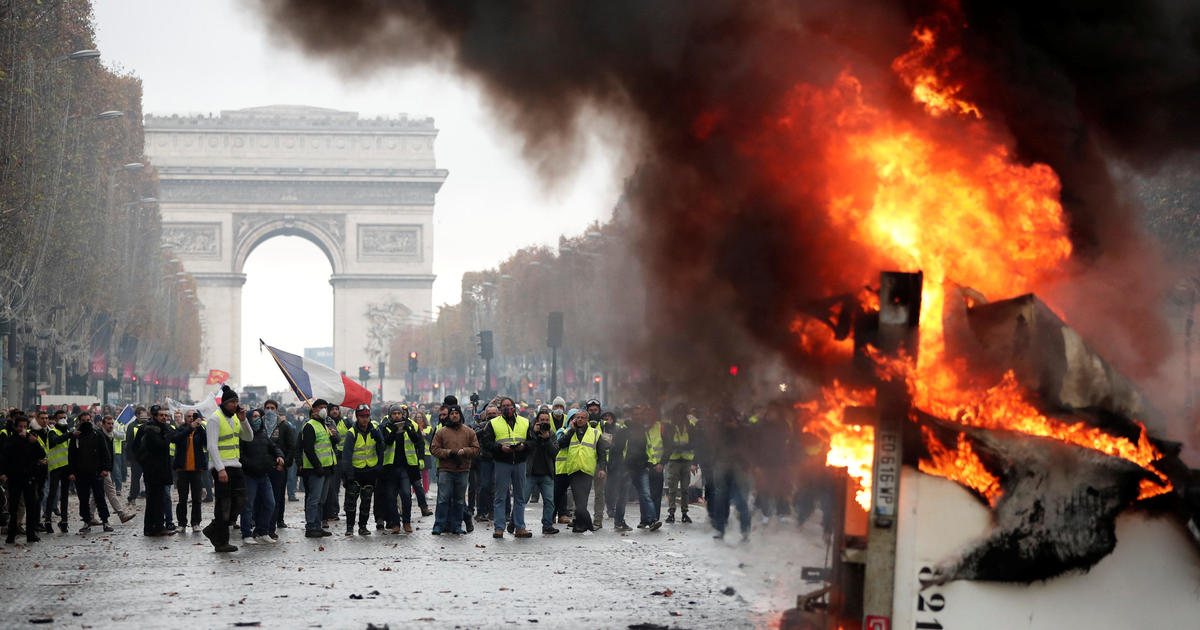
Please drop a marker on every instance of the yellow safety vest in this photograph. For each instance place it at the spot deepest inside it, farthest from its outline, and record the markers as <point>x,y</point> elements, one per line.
<point>581,453</point>
<point>682,437</point>
<point>510,436</point>
<point>57,457</point>
<point>322,443</point>
<point>171,446</point>
<point>365,455</point>
<point>654,444</point>
<point>229,442</point>
<point>118,445</point>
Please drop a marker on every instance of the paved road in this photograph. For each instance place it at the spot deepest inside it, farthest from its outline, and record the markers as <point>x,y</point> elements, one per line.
<point>599,580</point>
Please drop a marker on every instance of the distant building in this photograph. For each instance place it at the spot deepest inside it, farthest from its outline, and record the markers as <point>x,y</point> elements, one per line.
<point>324,356</point>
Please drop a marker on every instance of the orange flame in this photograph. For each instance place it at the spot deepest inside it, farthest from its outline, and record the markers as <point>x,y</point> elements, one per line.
<point>954,204</point>
<point>850,445</point>
<point>961,465</point>
<point>919,69</point>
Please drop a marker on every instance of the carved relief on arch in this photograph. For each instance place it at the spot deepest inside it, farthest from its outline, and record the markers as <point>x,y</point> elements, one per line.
<point>327,231</point>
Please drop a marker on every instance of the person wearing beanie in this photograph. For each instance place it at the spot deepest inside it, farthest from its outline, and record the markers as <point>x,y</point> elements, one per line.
<point>454,446</point>
<point>581,453</point>
<point>226,430</point>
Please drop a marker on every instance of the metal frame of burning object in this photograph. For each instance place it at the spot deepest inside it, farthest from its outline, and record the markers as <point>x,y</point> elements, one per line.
<point>1055,483</point>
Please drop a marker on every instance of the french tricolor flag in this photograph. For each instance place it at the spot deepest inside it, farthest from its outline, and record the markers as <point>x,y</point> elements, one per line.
<point>311,380</point>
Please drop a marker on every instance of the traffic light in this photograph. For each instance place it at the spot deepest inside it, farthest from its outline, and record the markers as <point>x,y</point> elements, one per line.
<point>31,367</point>
<point>412,362</point>
<point>530,387</point>
<point>733,370</point>
<point>364,372</point>
<point>485,344</point>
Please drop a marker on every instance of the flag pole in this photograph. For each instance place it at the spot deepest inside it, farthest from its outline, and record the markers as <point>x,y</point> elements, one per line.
<point>291,381</point>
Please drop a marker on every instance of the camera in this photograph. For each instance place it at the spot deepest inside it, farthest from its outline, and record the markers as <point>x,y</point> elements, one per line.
<point>543,426</point>
<point>474,398</point>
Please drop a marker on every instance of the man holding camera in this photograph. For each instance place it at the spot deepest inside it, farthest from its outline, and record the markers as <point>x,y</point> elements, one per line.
<point>506,437</point>
<point>191,464</point>
<point>540,470</point>
<point>224,453</point>
<point>405,449</point>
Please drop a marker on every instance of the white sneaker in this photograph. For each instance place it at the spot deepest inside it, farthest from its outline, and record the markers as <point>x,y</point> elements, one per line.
<point>264,540</point>
<point>250,540</point>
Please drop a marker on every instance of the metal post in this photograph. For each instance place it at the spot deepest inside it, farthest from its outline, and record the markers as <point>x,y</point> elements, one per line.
<point>553,373</point>
<point>899,316</point>
<point>487,376</point>
<point>382,366</point>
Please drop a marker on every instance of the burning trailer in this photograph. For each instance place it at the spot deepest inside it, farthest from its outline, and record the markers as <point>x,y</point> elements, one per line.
<point>1010,478</point>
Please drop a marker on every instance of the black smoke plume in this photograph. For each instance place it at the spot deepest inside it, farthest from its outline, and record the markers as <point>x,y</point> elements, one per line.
<point>730,262</point>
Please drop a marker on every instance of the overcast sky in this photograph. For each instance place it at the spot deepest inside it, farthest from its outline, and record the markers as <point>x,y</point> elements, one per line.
<point>204,57</point>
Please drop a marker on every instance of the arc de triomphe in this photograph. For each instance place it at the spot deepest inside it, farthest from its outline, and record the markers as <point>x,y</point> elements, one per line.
<point>362,190</point>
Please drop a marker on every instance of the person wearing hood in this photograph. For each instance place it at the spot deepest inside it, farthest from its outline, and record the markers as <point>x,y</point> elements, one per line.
<point>283,436</point>
<point>57,444</point>
<point>153,453</point>
<point>316,462</point>
<point>21,455</point>
<point>108,427</point>
<point>88,461</point>
<point>226,430</point>
<point>191,466</point>
<point>454,446</point>
<point>638,459</point>
<point>582,454</point>
<point>362,457</point>
<point>259,457</point>
<point>509,438</point>
<point>337,429</point>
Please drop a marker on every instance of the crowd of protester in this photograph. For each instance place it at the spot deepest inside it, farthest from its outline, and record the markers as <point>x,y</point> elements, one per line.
<point>583,464</point>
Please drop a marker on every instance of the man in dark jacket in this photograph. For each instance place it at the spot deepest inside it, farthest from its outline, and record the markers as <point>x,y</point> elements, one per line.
<point>191,466</point>
<point>362,456</point>
<point>316,458</point>
<point>22,455</point>
<point>88,462</point>
<point>259,456</point>
<point>638,467</point>
<point>540,467</point>
<point>505,438</point>
<point>284,437</point>
<point>154,457</point>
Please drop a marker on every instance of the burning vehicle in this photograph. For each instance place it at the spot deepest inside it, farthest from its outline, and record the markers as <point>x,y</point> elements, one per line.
<point>1002,468</point>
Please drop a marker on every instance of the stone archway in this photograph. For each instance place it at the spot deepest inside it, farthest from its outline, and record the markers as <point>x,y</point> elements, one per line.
<point>361,190</point>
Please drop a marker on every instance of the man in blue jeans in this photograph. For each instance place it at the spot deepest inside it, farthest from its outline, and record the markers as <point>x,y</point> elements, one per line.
<point>637,466</point>
<point>508,438</point>
<point>454,446</point>
<point>260,456</point>
<point>316,463</point>
<point>540,471</point>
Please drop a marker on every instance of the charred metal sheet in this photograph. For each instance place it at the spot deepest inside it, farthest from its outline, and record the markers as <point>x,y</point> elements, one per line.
<point>1052,360</point>
<point>1057,513</point>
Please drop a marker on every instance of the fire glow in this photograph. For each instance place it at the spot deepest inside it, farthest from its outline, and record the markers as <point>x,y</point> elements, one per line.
<point>939,193</point>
